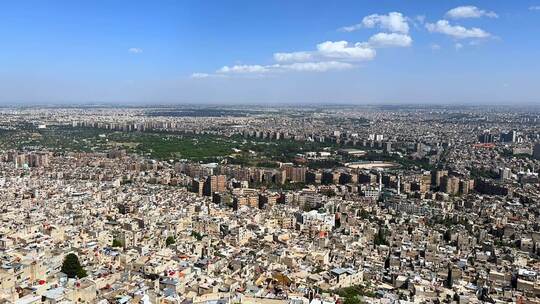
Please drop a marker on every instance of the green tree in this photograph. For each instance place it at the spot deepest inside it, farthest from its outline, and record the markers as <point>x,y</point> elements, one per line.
<point>170,240</point>
<point>116,243</point>
<point>196,235</point>
<point>72,268</point>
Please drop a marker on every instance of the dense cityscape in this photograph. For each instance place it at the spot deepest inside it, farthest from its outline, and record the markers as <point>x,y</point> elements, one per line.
<point>269,152</point>
<point>286,204</point>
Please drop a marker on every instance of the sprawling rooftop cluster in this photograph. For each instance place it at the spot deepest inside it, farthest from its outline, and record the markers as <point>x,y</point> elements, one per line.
<point>281,205</point>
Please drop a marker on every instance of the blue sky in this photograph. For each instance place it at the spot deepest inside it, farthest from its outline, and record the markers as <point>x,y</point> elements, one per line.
<point>309,51</point>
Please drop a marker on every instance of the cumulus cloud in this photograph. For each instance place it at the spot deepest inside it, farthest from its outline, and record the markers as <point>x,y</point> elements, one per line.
<point>292,57</point>
<point>434,47</point>
<point>331,55</point>
<point>393,22</point>
<point>390,40</point>
<point>344,51</point>
<point>207,75</point>
<point>135,50</point>
<point>469,11</point>
<point>458,46</point>
<point>317,66</point>
<point>244,68</point>
<point>534,8</point>
<point>456,31</point>
<point>322,66</point>
<point>330,51</point>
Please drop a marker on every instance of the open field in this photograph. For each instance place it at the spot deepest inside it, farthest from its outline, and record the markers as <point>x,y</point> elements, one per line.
<point>371,165</point>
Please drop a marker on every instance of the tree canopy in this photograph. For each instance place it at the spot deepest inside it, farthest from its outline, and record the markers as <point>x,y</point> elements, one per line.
<point>72,267</point>
<point>170,240</point>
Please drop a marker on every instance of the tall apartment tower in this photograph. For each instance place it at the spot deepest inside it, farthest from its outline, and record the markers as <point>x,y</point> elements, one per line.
<point>439,174</point>
<point>536,151</point>
<point>215,183</point>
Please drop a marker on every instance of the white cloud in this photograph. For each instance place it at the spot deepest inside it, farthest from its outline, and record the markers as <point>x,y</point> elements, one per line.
<point>342,50</point>
<point>390,40</point>
<point>292,57</point>
<point>456,31</point>
<point>469,11</point>
<point>331,50</point>
<point>458,46</point>
<point>200,75</point>
<point>244,69</point>
<point>393,22</point>
<point>534,8</point>
<point>434,47</point>
<point>208,75</point>
<point>329,55</point>
<point>351,28</point>
<point>322,66</point>
<point>134,50</point>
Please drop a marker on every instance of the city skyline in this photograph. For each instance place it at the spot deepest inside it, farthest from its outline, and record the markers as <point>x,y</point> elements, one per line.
<point>376,52</point>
